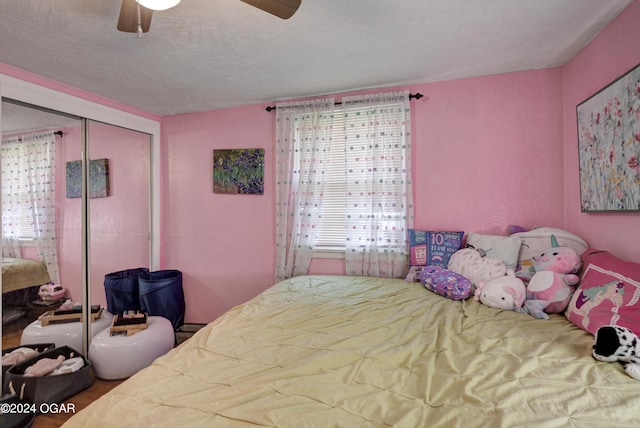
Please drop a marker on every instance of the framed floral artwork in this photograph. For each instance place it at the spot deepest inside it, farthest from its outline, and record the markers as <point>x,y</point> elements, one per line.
<point>238,171</point>
<point>98,178</point>
<point>609,146</point>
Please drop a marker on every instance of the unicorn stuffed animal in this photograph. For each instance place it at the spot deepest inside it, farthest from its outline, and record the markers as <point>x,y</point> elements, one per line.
<point>551,287</point>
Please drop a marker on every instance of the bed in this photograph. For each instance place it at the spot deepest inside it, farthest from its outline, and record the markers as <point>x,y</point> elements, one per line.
<point>368,352</point>
<point>18,274</point>
<point>21,280</point>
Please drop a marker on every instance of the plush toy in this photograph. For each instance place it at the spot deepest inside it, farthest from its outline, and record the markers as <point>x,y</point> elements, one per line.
<point>550,289</point>
<point>473,265</point>
<point>506,292</point>
<point>615,343</point>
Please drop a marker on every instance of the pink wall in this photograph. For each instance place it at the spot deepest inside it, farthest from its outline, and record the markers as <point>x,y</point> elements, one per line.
<point>612,53</point>
<point>487,153</point>
<point>69,217</point>
<point>223,244</point>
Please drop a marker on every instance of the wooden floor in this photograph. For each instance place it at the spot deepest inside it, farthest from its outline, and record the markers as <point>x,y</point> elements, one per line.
<point>80,401</point>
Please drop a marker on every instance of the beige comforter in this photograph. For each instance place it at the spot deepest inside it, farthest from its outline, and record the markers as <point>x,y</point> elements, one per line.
<point>322,351</point>
<point>20,273</point>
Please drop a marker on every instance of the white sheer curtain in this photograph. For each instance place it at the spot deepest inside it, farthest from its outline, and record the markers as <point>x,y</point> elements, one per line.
<point>378,183</point>
<point>303,137</point>
<point>11,197</point>
<point>29,181</point>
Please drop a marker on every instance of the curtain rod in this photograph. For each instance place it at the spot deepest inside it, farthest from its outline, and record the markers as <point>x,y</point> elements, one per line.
<point>417,96</point>
<point>60,133</point>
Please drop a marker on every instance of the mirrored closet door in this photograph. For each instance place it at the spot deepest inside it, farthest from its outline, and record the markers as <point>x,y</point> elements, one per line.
<point>119,187</point>
<point>78,239</point>
<point>41,237</point>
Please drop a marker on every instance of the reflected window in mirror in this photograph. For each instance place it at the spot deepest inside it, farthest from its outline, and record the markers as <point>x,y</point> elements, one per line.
<point>28,196</point>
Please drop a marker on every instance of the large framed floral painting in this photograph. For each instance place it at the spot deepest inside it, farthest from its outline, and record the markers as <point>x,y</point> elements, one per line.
<point>609,146</point>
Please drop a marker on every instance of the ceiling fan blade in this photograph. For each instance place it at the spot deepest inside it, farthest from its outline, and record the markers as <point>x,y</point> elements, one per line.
<point>281,8</point>
<point>128,20</point>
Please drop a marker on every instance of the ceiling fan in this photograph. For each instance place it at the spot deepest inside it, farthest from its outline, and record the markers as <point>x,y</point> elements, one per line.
<point>135,15</point>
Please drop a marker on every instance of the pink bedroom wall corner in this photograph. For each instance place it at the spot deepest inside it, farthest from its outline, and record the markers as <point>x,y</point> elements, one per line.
<point>609,55</point>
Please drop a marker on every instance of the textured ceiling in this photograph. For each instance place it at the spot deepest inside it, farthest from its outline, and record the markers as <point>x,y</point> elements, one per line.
<point>211,54</point>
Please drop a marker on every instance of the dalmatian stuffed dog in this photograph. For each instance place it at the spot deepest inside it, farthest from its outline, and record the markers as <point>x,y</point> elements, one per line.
<point>615,343</point>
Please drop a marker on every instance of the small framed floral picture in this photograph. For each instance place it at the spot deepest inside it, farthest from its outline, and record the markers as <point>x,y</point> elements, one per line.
<point>609,146</point>
<point>98,178</point>
<point>238,171</point>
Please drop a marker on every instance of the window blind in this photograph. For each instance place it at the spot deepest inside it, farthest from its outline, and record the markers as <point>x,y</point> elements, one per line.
<point>348,123</point>
<point>15,184</point>
<point>331,235</point>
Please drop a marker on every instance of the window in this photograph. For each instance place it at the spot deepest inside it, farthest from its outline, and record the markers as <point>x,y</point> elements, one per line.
<point>17,207</point>
<point>343,183</point>
<point>347,124</point>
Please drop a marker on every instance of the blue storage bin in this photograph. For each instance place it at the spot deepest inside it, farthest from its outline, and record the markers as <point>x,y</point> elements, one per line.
<point>122,290</point>
<point>161,294</point>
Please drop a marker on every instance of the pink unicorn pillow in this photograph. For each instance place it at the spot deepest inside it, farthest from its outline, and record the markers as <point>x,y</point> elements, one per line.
<point>609,293</point>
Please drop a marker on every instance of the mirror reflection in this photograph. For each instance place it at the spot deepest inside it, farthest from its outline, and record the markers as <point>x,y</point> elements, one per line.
<point>42,212</point>
<point>119,226</point>
<point>33,212</point>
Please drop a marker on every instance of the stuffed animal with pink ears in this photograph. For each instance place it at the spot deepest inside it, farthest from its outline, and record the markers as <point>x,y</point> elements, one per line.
<point>505,292</point>
<point>551,287</point>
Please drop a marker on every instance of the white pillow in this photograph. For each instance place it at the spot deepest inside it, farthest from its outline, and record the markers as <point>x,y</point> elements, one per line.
<point>536,241</point>
<point>505,248</point>
<point>539,240</point>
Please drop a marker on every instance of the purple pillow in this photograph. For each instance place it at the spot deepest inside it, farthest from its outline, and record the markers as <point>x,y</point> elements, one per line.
<point>445,282</point>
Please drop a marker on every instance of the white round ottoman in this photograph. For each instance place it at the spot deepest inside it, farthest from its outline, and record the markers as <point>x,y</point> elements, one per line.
<point>60,334</point>
<point>120,356</point>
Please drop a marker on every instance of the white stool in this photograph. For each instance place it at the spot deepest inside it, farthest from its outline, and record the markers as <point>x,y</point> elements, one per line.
<point>120,356</point>
<point>60,334</point>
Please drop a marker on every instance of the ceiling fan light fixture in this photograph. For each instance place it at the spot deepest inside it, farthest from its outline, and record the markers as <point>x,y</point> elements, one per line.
<point>158,4</point>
